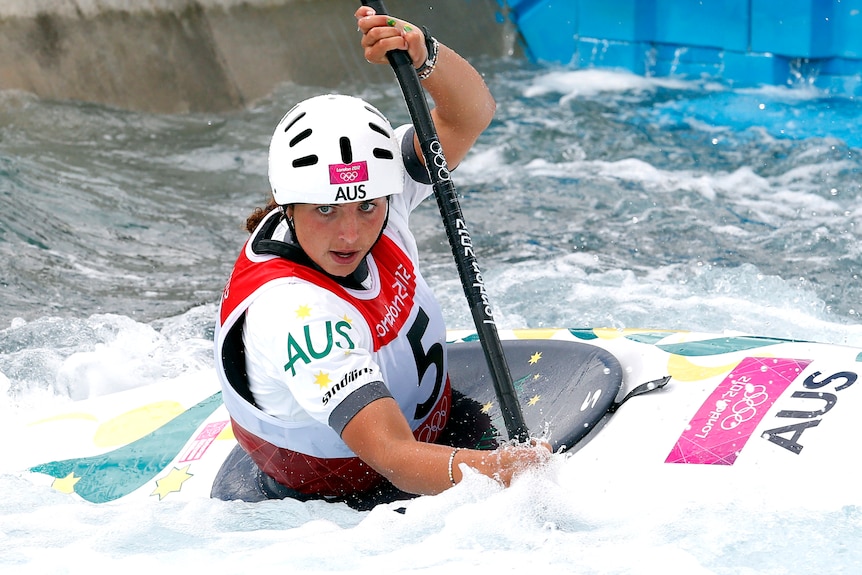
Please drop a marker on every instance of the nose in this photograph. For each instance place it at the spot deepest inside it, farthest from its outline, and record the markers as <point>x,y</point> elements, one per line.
<point>348,231</point>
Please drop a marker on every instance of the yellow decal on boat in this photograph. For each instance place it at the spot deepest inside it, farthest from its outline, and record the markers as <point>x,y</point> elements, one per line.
<point>535,333</point>
<point>135,424</point>
<point>226,433</point>
<point>172,482</point>
<point>682,369</point>
<point>66,484</point>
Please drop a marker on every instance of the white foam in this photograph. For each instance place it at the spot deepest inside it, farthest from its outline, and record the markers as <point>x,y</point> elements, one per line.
<point>592,82</point>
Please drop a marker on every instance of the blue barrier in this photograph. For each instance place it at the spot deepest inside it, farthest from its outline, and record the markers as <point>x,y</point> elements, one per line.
<point>741,42</point>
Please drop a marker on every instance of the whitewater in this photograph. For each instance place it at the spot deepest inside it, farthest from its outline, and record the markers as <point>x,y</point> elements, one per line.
<point>595,198</point>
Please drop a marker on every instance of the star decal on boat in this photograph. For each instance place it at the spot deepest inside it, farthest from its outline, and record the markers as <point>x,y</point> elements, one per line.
<point>487,407</point>
<point>66,484</point>
<point>534,400</point>
<point>172,482</point>
<point>534,359</point>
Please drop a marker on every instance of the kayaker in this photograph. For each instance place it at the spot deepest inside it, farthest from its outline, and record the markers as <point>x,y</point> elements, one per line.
<point>345,378</point>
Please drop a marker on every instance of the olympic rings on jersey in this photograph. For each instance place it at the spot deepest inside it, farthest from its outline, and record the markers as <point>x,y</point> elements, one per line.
<point>431,428</point>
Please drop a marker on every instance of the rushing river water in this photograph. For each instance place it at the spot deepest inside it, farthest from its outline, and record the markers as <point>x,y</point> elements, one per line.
<point>594,199</point>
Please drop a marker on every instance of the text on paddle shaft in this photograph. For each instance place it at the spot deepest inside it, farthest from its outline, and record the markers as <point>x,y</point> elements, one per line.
<point>813,406</point>
<point>477,281</point>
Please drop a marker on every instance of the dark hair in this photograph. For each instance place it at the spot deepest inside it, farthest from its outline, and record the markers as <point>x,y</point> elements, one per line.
<point>252,221</point>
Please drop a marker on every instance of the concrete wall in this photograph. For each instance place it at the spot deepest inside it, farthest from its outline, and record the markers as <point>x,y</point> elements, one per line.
<point>211,55</point>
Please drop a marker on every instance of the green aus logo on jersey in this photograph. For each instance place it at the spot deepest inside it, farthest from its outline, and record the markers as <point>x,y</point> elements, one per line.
<point>304,348</point>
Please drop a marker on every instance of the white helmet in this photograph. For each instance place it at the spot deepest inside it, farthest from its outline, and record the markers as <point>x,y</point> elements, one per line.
<point>334,149</point>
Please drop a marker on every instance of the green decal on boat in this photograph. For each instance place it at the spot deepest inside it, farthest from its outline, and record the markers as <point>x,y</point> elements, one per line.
<point>651,338</point>
<point>112,475</point>
<point>585,334</point>
<point>721,345</point>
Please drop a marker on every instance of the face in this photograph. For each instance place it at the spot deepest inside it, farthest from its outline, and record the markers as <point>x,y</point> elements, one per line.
<point>337,236</point>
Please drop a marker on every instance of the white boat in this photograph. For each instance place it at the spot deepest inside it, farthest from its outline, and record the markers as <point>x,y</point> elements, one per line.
<point>712,412</point>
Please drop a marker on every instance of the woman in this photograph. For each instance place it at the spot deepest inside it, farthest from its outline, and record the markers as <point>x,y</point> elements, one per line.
<point>345,378</point>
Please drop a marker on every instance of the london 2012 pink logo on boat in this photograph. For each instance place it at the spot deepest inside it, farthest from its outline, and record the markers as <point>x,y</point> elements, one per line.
<point>348,173</point>
<point>724,423</point>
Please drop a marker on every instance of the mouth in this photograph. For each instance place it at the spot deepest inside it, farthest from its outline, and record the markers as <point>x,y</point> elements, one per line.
<point>344,258</point>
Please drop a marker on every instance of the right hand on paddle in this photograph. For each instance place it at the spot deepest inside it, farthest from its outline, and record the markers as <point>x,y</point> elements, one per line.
<point>382,34</point>
<point>506,462</point>
<point>464,105</point>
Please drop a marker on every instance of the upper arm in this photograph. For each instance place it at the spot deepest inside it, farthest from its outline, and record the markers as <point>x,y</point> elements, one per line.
<point>464,106</point>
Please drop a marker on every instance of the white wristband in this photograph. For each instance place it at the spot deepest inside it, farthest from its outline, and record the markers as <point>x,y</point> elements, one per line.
<point>451,462</point>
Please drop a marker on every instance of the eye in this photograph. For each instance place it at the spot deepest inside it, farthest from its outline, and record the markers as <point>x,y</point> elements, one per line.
<point>367,206</point>
<point>325,210</point>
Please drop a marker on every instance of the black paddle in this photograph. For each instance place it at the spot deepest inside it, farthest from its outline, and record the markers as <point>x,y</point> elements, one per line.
<point>459,237</point>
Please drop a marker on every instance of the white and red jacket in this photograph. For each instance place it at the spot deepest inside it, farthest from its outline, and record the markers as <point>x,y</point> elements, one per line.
<point>312,353</point>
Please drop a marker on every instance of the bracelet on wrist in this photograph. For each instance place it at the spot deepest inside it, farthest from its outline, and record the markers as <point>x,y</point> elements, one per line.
<point>451,462</point>
<point>433,48</point>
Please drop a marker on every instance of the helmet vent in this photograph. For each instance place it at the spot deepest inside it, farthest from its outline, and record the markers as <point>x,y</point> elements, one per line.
<point>300,137</point>
<point>378,129</point>
<point>382,153</point>
<point>375,112</point>
<point>305,161</point>
<point>295,120</point>
<point>346,150</point>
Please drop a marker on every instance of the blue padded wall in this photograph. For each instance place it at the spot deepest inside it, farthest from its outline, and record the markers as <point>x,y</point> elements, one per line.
<point>741,42</point>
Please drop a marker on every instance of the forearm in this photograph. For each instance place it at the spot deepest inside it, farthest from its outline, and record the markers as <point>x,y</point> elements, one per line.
<point>420,468</point>
<point>425,468</point>
<point>463,103</point>
<point>380,436</point>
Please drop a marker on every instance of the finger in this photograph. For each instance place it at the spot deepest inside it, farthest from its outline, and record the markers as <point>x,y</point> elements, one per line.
<point>400,36</point>
<point>415,42</point>
<point>370,21</point>
<point>378,41</point>
<point>364,11</point>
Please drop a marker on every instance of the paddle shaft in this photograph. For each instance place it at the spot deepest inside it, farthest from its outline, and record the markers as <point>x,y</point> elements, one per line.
<point>459,237</point>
